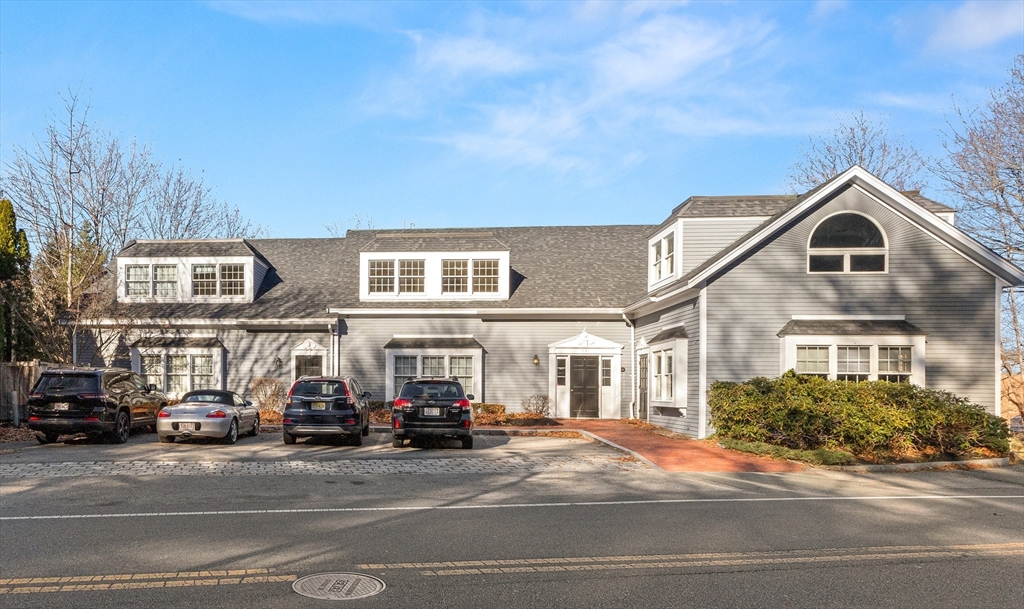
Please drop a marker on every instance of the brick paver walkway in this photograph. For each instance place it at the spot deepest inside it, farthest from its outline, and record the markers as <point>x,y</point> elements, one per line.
<point>676,455</point>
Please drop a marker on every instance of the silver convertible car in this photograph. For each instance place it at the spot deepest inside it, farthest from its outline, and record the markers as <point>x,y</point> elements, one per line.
<point>208,413</point>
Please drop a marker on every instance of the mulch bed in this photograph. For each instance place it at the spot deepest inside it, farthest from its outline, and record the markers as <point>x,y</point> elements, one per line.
<point>10,433</point>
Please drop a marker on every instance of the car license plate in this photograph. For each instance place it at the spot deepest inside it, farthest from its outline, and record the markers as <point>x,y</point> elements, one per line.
<point>318,406</point>
<point>61,406</point>
<point>186,426</point>
<point>431,412</point>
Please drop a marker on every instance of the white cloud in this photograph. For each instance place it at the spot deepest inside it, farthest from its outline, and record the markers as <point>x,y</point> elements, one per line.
<point>824,8</point>
<point>304,11</point>
<point>476,55</point>
<point>975,25</point>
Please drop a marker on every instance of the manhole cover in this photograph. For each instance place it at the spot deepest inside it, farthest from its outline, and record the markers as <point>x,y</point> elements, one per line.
<point>338,586</point>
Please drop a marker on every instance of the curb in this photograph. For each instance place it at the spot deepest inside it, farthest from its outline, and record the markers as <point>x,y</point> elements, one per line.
<point>919,467</point>
<point>494,431</point>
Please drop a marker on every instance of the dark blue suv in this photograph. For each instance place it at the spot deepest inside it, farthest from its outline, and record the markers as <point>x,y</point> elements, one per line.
<point>327,406</point>
<point>432,406</point>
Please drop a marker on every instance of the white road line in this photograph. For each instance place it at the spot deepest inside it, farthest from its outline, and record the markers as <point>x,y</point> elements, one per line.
<point>423,508</point>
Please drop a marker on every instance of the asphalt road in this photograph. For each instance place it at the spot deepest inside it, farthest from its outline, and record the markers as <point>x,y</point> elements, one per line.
<point>516,522</point>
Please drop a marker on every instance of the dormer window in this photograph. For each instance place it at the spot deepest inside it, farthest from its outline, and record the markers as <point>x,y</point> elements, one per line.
<point>382,276</point>
<point>232,279</point>
<point>663,257</point>
<point>137,280</point>
<point>434,275</point>
<point>410,276</point>
<point>189,271</point>
<point>454,276</point>
<point>847,243</point>
<point>218,279</point>
<point>165,280</point>
<point>485,276</point>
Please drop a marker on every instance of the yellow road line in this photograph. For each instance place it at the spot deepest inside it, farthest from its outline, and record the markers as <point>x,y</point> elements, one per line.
<point>135,581</point>
<point>512,562</point>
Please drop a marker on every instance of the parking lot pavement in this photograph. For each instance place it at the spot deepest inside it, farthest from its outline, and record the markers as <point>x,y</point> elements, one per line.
<point>267,455</point>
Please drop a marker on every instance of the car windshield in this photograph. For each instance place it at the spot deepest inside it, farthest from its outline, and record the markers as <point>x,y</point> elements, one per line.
<point>432,390</point>
<point>67,383</point>
<point>218,398</point>
<point>325,388</point>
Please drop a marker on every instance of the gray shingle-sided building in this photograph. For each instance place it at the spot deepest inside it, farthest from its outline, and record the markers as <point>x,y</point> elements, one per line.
<point>852,280</point>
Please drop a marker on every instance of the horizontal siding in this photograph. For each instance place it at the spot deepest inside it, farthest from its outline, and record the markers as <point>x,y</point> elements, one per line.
<point>647,327</point>
<point>948,297</point>
<point>704,238</point>
<point>509,347</point>
<point>249,355</point>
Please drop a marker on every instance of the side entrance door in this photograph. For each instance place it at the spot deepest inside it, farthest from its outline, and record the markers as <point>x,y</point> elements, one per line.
<point>584,387</point>
<point>642,401</point>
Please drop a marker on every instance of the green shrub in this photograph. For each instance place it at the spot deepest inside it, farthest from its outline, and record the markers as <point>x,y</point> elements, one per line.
<point>870,418</point>
<point>818,456</point>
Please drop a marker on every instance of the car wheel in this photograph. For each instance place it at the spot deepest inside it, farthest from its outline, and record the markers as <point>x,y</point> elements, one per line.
<point>46,438</point>
<point>397,442</point>
<point>467,442</point>
<point>232,435</point>
<point>288,438</point>
<point>357,439</point>
<point>122,428</point>
<point>366,429</point>
<point>167,439</point>
<point>256,426</point>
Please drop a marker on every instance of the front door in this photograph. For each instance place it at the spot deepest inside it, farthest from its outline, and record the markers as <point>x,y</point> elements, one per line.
<point>584,387</point>
<point>642,402</point>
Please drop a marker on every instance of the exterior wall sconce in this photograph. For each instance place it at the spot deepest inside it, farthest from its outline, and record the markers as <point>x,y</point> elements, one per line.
<point>536,360</point>
<point>277,362</point>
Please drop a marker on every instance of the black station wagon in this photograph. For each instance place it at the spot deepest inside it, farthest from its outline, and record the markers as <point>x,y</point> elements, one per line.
<point>432,406</point>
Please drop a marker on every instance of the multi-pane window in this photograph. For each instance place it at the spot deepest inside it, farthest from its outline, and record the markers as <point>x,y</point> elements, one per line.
<point>663,374</point>
<point>461,367</point>
<point>433,365</point>
<point>410,276</point>
<point>894,364</point>
<point>560,371</point>
<point>204,280</point>
<point>382,276</point>
<point>812,361</point>
<point>309,365</point>
<point>606,372</point>
<point>853,363</point>
<point>485,275</point>
<point>165,279</point>
<point>847,243</point>
<point>153,370</point>
<point>202,372</point>
<point>177,373</point>
<point>405,370</point>
<point>455,276</point>
<point>137,280</point>
<point>232,280</point>
<point>663,257</point>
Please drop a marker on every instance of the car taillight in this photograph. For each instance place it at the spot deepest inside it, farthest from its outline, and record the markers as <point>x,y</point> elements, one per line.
<point>400,403</point>
<point>35,396</point>
<point>91,396</point>
<point>217,414</point>
<point>33,418</point>
<point>292,388</point>
<point>163,414</point>
<point>91,419</point>
<point>463,404</point>
<point>289,421</point>
<point>397,423</point>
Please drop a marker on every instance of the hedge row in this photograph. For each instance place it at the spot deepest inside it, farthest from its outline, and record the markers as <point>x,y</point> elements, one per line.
<point>869,418</point>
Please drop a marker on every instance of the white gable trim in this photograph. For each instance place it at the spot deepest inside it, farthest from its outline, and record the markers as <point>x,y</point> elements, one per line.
<point>861,178</point>
<point>585,343</point>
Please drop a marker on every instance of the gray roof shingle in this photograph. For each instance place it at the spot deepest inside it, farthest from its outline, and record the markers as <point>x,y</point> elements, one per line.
<point>849,327</point>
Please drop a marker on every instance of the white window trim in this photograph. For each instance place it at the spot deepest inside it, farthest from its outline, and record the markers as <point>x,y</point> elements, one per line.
<point>680,354</point>
<point>917,343</point>
<point>216,352</point>
<point>309,347</point>
<point>184,277</point>
<point>432,280</point>
<point>477,354</point>
<point>847,251</point>
<point>675,233</point>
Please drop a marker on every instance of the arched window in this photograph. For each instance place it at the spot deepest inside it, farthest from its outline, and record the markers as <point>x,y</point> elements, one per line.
<point>847,243</point>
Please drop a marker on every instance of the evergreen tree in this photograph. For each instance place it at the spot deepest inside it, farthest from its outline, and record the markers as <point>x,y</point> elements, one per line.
<point>16,340</point>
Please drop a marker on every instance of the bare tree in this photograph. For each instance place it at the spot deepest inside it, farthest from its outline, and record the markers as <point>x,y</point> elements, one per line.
<point>863,140</point>
<point>355,222</point>
<point>181,206</point>
<point>984,172</point>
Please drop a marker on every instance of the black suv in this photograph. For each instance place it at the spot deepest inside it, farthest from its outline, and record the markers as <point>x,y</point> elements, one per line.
<point>89,400</point>
<point>432,407</point>
<point>327,406</point>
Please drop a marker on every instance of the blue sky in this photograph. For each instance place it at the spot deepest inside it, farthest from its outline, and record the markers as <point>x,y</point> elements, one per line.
<point>493,114</point>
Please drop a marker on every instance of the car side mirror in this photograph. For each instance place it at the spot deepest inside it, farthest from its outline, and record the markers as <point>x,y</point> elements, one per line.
<point>151,387</point>
<point>366,394</point>
<point>469,396</point>
<point>248,403</point>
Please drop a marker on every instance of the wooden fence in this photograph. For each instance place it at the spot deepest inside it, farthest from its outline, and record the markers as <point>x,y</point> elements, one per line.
<point>16,380</point>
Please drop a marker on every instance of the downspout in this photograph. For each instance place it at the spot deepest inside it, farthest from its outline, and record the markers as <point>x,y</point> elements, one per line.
<point>632,365</point>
